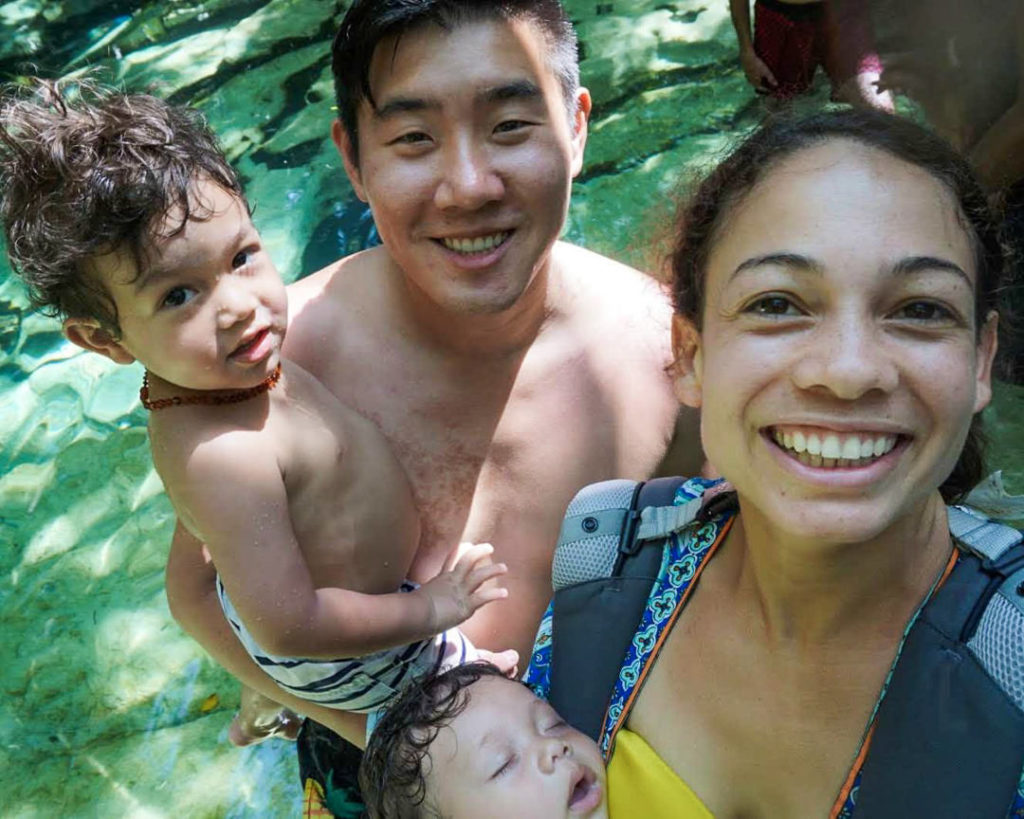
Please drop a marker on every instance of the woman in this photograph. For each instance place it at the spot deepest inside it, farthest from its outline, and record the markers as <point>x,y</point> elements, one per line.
<point>835,283</point>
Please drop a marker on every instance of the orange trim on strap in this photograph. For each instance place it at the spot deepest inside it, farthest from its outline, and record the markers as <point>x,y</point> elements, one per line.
<point>665,632</point>
<point>858,763</point>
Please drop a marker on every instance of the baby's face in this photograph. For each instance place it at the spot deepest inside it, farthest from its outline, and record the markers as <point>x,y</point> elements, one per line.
<point>509,754</point>
<point>210,311</point>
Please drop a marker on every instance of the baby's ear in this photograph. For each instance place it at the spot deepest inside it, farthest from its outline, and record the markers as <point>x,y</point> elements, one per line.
<point>90,335</point>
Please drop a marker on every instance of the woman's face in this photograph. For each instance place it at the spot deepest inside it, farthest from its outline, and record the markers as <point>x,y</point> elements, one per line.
<point>839,363</point>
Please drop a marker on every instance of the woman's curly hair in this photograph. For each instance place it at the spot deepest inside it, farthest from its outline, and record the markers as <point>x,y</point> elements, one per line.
<point>85,170</point>
<point>392,775</point>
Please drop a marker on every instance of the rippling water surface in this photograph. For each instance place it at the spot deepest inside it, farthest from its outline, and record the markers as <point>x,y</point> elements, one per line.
<point>106,708</point>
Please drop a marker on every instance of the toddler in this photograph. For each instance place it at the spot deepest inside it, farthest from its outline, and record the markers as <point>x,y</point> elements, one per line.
<point>124,219</point>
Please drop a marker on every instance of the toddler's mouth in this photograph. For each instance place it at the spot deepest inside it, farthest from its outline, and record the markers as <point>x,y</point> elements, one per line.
<point>586,792</point>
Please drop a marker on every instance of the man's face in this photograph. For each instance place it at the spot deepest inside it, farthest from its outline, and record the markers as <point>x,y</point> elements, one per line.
<point>467,160</point>
<point>509,754</point>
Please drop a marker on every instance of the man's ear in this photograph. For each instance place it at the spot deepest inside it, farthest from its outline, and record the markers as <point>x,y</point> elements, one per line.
<point>988,343</point>
<point>90,335</point>
<point>579,126</point>
<point>342,141</point>
<point>688,366</point>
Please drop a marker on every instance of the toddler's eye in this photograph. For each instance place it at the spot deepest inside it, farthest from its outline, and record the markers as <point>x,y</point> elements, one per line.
<point>177,296</point>
<point>241,258</point>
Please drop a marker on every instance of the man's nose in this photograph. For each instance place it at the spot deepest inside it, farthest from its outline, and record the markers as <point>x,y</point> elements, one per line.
<point>468,180</point>
<point>849,357</point>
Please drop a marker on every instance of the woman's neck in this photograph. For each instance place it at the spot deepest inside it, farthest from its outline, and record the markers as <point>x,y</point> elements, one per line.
<point>806,593</point>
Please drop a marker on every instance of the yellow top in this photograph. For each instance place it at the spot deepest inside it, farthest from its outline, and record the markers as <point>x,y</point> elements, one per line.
<point>640,784</point>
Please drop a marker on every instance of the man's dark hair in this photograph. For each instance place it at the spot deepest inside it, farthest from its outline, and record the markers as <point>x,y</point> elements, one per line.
<point>368,22</point>
<point>86,170</point>
<point>392,775</point>
<point>704,216</point>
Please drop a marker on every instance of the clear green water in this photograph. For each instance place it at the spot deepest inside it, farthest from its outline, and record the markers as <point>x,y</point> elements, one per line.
<point>106,708</point>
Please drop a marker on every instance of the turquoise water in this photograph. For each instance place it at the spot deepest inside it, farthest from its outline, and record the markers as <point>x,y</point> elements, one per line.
<point>108,709</point>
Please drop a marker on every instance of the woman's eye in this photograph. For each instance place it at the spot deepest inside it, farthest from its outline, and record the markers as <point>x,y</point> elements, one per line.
<point>177,296</point>
<point>924,311</point>
<point>773,306</point>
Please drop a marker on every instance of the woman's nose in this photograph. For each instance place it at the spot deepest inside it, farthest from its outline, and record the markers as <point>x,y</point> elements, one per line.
<point>849,358</point>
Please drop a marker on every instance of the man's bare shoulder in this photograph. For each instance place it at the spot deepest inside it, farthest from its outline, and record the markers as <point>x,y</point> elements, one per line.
<point>599,291</point>
<point>327,305</point>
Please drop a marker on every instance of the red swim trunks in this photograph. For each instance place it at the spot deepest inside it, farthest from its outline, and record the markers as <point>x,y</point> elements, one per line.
<point>794,39</point>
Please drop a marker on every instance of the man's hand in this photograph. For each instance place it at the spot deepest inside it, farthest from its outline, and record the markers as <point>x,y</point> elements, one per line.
<point>458,590</point>
<point>758,74</point>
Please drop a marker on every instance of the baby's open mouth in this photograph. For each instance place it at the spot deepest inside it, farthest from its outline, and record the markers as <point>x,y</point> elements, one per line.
<point>835,450</point>
<point>586,792</point>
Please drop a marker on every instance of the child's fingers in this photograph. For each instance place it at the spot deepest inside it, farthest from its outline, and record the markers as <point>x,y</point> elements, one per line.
<point>481,597</point>
<point>469,555</point>
<point>481,574</point>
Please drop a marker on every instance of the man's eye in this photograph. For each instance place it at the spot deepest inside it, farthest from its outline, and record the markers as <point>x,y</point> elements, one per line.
<point>510,126</point>
<point>177,296</point>
<point>924,311</point>
<point>773,306</point>
<point>412,138</point>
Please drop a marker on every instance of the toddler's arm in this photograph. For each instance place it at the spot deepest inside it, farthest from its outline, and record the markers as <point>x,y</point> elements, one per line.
<point>231,491</point>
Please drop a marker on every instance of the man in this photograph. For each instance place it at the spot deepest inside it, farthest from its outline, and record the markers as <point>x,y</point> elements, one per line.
<point>507,369</point>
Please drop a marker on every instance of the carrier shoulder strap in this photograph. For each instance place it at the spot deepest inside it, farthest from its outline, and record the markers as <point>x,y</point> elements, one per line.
<point>949,736</point>
<point>607,559</point>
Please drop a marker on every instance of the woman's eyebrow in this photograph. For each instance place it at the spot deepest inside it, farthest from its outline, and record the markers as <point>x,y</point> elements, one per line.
<point>782,259</point>
<point>917,264</point>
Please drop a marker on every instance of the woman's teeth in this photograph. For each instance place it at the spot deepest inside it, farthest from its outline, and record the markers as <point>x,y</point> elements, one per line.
<point>478,244</point>
<point>832,449</point>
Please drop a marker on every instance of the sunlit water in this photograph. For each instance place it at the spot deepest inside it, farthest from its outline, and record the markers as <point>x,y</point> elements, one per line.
<point>107,708</point>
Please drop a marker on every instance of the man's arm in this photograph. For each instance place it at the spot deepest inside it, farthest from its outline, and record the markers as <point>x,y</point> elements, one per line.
<point>192,597</point>
<point>758,74</point>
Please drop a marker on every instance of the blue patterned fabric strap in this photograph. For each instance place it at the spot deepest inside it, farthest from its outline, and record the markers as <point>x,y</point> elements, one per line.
<point>538,672</point>
<point>683,556</point>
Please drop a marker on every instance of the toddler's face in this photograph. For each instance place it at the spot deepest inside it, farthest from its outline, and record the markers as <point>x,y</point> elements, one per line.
<point>509,754</point>
<point>210,311</point>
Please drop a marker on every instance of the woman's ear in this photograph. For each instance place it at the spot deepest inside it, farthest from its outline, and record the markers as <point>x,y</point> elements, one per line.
<point>988,343</point>
<point>90,335</point>
<point>688,364</point>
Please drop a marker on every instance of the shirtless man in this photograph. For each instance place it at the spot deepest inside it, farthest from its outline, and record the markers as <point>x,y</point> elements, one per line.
<point>506,368</point>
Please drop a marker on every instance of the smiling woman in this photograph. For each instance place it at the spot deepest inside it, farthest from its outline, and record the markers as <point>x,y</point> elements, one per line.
<point>836,319</point>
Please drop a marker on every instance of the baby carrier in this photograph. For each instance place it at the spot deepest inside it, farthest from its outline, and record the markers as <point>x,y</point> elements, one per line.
<point>949,737</point>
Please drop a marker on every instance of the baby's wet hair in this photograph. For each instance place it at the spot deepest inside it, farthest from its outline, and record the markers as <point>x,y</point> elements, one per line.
<point>394,770</point>
<point>86,170</point>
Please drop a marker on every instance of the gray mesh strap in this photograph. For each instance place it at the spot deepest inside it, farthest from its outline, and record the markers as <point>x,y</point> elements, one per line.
<point>588,544</point>
<point>985,538</point>
<point>661,521</point>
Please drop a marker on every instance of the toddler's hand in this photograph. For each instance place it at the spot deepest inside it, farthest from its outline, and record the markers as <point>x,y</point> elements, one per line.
<point>458,590</point>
